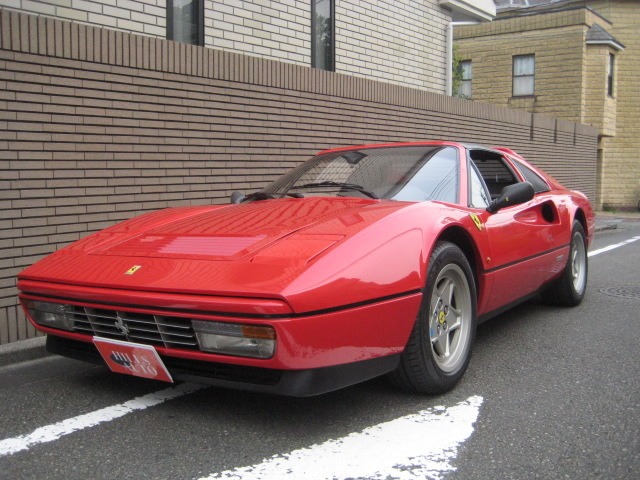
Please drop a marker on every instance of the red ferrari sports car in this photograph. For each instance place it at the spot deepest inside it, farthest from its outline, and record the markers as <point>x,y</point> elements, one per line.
<point>363,261</point>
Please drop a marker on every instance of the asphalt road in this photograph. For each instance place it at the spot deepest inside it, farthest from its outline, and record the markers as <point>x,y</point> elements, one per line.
<point>559,390</point>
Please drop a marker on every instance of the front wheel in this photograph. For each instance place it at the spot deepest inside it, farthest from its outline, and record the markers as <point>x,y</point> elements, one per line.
<point>439,347</point>
<point>568,290</point>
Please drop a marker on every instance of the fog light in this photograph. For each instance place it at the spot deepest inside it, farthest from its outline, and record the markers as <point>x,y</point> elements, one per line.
<point>54,315</point>
<point>235,339</point>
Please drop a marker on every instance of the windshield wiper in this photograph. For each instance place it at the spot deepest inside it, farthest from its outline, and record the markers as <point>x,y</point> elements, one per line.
<point>268,196</point>
<point>331,183</point>
<point>258,196</point>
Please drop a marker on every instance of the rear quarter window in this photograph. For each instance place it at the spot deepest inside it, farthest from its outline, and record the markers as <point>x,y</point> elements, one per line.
<point>539,185</point>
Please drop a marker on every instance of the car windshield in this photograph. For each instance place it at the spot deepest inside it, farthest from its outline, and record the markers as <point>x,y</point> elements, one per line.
<point>408,173</point>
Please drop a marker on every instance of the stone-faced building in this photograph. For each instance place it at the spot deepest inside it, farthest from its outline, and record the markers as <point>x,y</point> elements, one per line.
<point>571,59</point>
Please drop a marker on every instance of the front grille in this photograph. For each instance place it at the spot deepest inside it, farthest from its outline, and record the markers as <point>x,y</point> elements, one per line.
<point>170,332</point>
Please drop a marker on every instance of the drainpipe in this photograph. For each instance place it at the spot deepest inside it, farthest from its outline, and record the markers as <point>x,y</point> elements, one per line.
<point>449,79</point>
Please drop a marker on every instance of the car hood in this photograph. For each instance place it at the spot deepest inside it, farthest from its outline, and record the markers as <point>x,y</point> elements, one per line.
<point>233,232</point>
<point>259,249</point>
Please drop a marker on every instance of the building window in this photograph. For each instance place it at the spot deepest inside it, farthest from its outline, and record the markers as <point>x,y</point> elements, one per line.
<point>524,67</point>
<point>610,69</point>
<point>323,34</point>
<point>466,75</point>
<point>185,21</point>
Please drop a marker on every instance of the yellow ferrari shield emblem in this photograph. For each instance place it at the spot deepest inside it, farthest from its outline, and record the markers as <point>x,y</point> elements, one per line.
<point>476,220</point>
<point>133,270</point>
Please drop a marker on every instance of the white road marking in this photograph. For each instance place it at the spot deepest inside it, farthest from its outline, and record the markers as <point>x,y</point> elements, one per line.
<point>53,432</point>
<point>612,247</point>
<point>420,446</point>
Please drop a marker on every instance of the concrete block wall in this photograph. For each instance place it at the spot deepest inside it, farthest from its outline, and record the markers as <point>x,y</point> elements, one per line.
<point>98,126</point>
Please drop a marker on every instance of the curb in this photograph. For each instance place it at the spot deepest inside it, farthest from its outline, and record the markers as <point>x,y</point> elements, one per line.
<point>22,351</point>
<point>609,225</point>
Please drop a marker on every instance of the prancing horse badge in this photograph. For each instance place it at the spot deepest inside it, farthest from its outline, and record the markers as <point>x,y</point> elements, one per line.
<point>133,270</point>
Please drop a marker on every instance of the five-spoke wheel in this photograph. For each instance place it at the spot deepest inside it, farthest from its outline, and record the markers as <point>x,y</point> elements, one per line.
<point>569,289</point>
<point>439,347</point>
<point>451,310</point>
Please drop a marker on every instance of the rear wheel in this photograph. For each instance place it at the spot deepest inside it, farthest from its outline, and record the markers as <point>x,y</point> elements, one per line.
<point>439,347</point>
<point>569,289</point>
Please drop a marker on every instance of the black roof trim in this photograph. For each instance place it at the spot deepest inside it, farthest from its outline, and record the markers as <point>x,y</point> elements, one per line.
<point>599,36</point>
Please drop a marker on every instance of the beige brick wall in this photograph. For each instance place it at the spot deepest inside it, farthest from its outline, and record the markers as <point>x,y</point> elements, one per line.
<point>90,136</point>
<point>138,16</point>
<point>276,29</point>
<point>398,41</point>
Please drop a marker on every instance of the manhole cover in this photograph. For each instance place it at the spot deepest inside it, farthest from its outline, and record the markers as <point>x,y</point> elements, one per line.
<point>624,292</point>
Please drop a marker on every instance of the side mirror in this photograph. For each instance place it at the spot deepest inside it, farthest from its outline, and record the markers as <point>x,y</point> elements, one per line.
<point>237,197</point>
<point>512,195</point>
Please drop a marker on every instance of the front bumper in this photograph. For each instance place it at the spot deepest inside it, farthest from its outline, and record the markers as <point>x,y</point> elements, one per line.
<point>315,352</point>
<point>296,383</point>
<point>303,341</point>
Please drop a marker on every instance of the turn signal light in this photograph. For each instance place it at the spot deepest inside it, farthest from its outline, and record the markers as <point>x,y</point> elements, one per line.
<point>235,339</point>
<point>54,315</point>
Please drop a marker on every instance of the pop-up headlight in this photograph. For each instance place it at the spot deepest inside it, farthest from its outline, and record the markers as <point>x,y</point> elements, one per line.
<point>235,339</point>
<point>54,315</point>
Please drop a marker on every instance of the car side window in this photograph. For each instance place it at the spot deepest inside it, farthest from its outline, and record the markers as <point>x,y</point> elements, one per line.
<point>539,185</point>
<point>478,195</point>
<point>494,171</point>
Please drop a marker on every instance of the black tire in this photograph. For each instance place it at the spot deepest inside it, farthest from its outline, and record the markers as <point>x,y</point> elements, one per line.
<point>568,290</point>
<point>442,323</point>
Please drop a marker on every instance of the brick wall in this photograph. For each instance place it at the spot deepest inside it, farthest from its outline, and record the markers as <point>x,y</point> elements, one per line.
<point>138,16</point>
<point>276,29</point>
<point>97,126</point>
<point>398,41</point>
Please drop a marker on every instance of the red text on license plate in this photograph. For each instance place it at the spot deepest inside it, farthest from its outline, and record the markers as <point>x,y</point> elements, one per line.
<point>132,359</point>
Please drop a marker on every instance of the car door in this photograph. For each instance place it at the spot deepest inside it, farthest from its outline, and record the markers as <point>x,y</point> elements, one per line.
<point>552,212</point>
<point>522,238</point>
